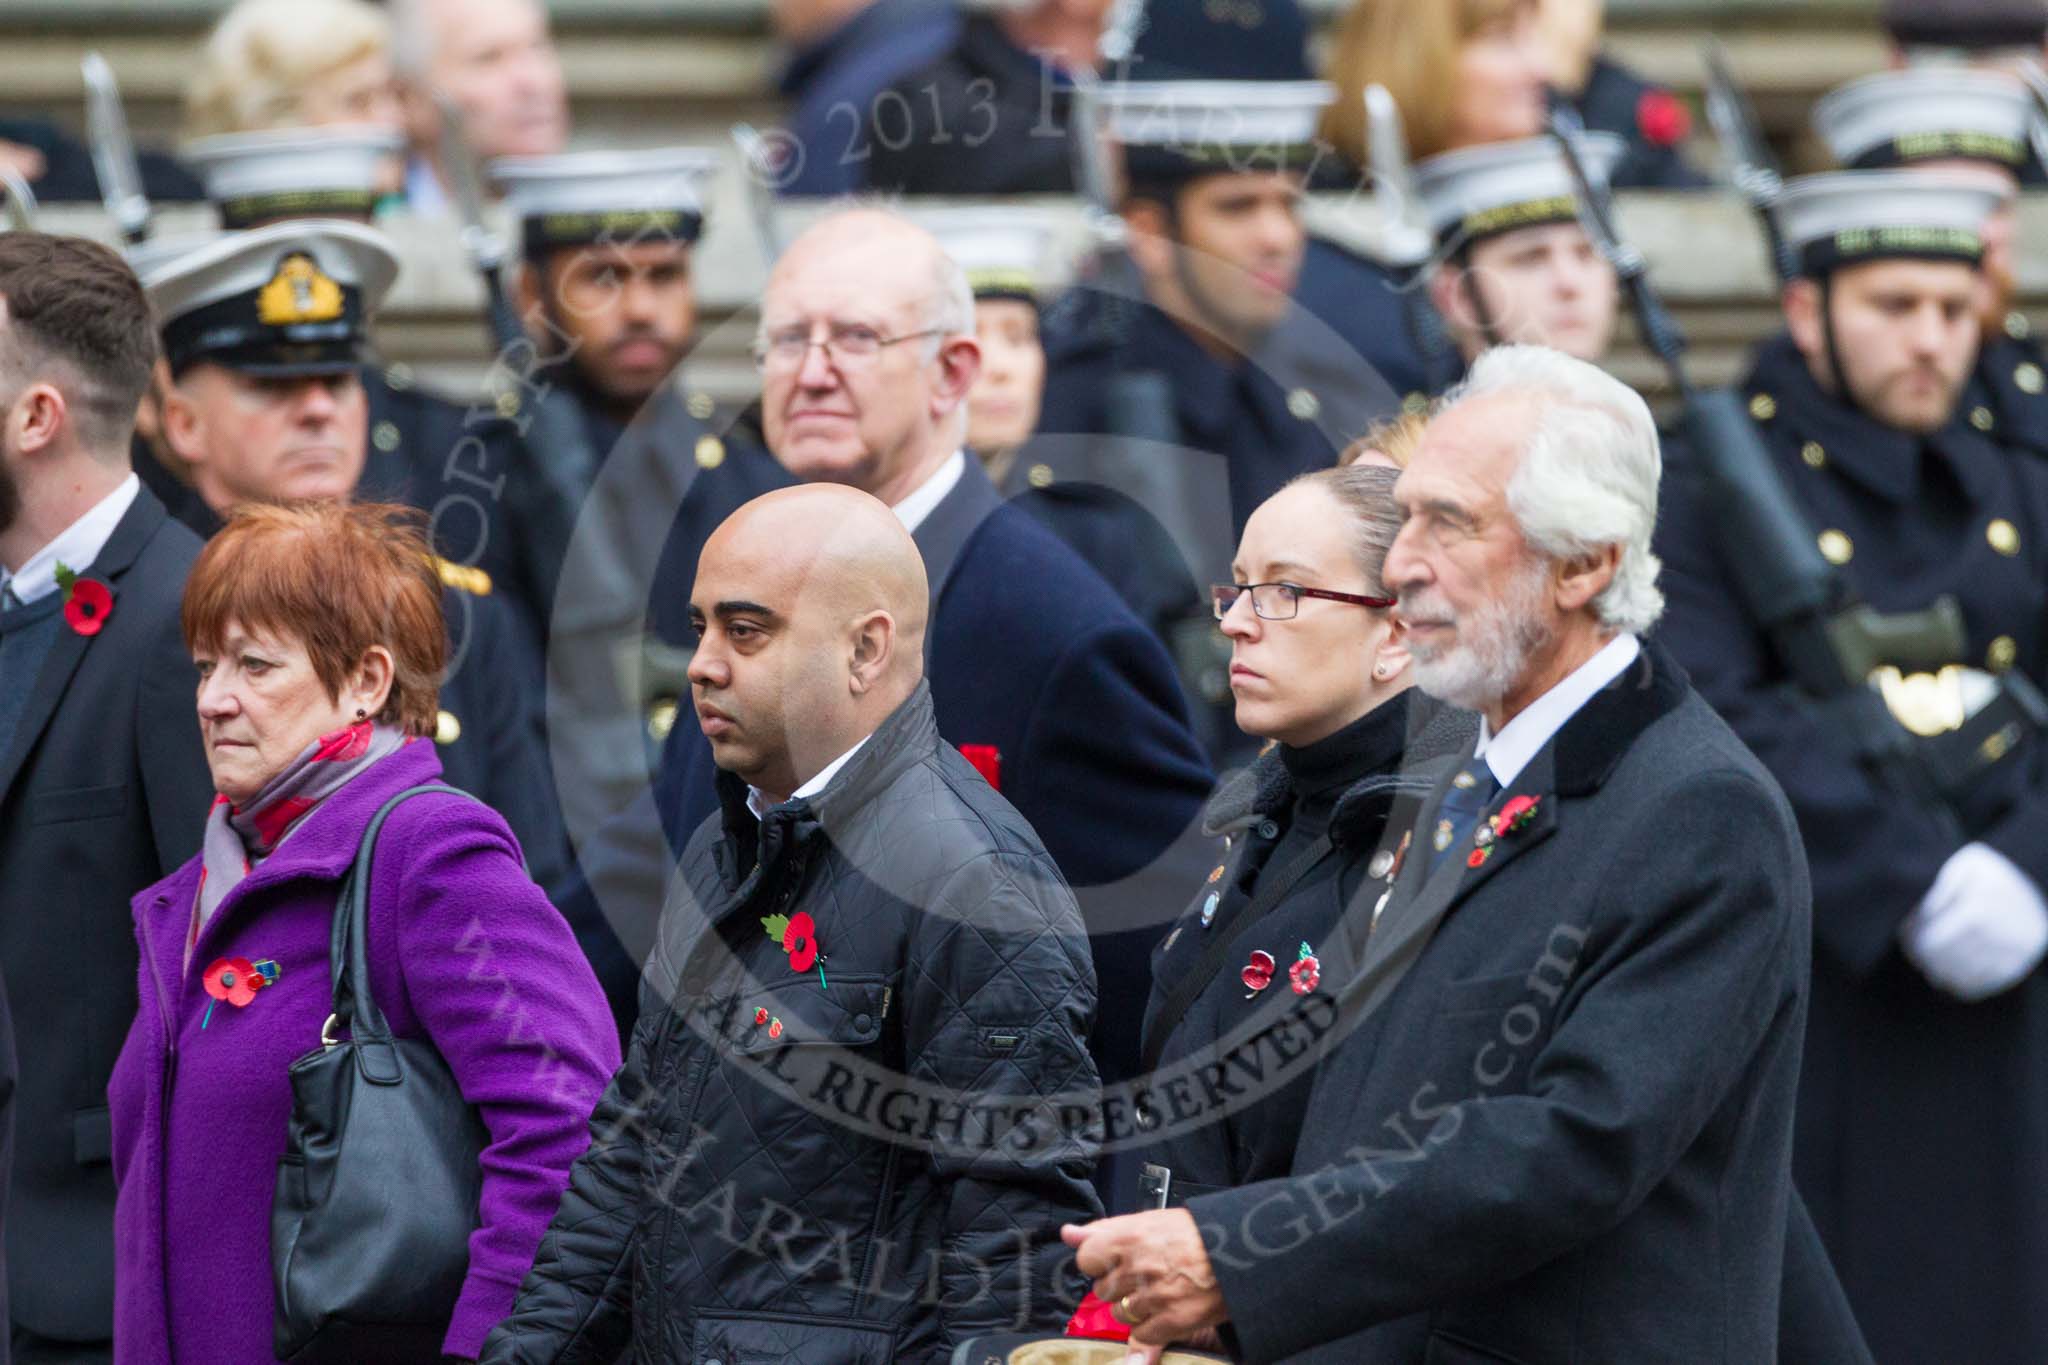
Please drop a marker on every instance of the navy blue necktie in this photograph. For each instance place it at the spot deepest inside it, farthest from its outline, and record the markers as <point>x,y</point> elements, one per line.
<point>1471,792</point>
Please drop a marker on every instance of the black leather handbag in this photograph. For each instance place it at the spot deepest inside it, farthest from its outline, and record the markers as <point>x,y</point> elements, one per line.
<point>378,1189</point>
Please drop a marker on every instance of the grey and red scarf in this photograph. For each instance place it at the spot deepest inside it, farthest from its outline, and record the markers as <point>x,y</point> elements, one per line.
<point>240,837</point>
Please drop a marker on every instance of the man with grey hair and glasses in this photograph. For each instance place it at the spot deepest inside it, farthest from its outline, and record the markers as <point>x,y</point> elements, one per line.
<point>1039,673</point>
<point>1556,1119</point>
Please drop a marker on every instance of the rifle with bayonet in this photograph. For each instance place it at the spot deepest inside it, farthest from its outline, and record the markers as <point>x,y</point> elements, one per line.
<point>113,152</point>
<point>1751,167</point>
<point>553,433</point>
<point>1830,643</point>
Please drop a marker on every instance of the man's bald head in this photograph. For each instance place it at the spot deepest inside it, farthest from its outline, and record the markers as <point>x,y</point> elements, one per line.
<point>810,608</point>
<point>884,420</point>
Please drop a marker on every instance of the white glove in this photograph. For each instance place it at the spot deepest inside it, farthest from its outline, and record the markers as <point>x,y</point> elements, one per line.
<point>1980,929</point>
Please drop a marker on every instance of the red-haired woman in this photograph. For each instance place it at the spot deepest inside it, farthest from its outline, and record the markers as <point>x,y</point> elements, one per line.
<point>319,640</point>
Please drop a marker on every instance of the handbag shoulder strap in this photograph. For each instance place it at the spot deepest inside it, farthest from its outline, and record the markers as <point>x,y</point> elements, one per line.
<point>348,954</point>
<point>1269,894</point>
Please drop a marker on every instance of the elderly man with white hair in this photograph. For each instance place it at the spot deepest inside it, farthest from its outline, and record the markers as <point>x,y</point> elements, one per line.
<point>1554,1123</point>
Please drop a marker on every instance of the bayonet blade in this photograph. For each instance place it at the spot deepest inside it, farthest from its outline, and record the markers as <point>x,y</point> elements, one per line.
<point>21,200</point>
<point>485,248</point>
<point>113,151</point>
<point>757,163</point>
<point>1407,240</point>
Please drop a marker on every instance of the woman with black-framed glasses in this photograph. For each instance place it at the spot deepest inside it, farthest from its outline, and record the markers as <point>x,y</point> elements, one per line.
<point>1319,666</point>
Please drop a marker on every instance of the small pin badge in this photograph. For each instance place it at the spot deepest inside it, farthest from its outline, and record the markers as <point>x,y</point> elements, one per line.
<point>1209,908</point>
<point>1258,973</point>
<point>1442,838</point>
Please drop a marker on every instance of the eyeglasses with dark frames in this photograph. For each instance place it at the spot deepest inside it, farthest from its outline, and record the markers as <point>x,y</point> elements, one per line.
<point>1282,601</point>
<point>844,342</point>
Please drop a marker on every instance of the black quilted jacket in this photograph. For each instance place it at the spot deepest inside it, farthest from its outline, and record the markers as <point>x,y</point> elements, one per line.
<point>866,1160</point>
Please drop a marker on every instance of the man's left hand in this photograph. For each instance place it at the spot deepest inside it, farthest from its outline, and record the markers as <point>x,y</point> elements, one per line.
<point>1155,1271</point>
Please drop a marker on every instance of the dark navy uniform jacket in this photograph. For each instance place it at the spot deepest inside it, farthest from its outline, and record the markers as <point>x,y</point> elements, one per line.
<point>453,462</point>
<point>1923,1127</point>
<point>1042,676</point>
<point>2005,398</point>
<point>1289,408</point>
<point>1383,319</point>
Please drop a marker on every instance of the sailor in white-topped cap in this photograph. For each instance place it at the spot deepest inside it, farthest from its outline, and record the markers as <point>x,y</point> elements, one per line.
<point>1928,997</point>
<point>1214,174</point>
<point>1513,264</point>
<point>264,333</point>
<point>1960,119</point>
<point>327,172</point>
<point>1926,113</point>
<point>423,444</point>
<point>607,240</point>
<point>1004,252</point>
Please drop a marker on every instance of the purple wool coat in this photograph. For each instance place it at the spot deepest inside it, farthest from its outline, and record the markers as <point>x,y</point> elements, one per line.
<point>464,950</point>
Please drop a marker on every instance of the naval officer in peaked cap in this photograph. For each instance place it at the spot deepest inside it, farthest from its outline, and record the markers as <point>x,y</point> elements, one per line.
<point>264,333</point>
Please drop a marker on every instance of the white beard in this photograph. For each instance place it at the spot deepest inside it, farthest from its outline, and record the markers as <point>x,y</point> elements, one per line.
<point>1493,643</point>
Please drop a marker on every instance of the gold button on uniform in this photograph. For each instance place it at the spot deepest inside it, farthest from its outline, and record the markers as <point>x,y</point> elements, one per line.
<point>1763,407</point>
<point>447,729</point>
<point>1304,404</point>
<point>2017,327</point>
<point>2028,377</point>
<point>1039,476</point>
<point>1415,404</point>
<point>385,436</point>
<point>710,452</point>
<point>508,404</point>
<point>1981,418</point>
<point>2004,536</point>
<point>701,406</point>
<point>399,376</point>
<point>1836,548</point>
<point>1815,457</point>
<point>2003,654</point>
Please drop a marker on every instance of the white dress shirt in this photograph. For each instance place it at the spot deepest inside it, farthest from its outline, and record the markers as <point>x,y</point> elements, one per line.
<point>758,802</point>
<point>75,547</point>
<point>919,502</point>
<point>1522,738</point>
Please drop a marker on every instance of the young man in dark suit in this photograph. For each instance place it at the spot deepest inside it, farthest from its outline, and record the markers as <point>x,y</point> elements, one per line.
<point>1555,1118</point>
<point>103,785</point>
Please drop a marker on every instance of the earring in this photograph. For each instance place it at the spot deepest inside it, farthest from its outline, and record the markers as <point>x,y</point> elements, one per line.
<point>1379,671</point>
<point>361,714</point>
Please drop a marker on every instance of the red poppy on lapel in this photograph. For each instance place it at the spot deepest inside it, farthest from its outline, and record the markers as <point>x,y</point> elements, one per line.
<point>987,760</point>
<point>800,941</point>
<point>233,979</point>
<point>87,604</point>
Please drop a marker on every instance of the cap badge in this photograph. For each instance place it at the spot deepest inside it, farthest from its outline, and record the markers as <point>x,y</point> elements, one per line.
<point>298,292</point>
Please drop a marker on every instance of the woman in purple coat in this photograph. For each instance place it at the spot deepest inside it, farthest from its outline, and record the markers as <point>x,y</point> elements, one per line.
<point>319,641</point>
